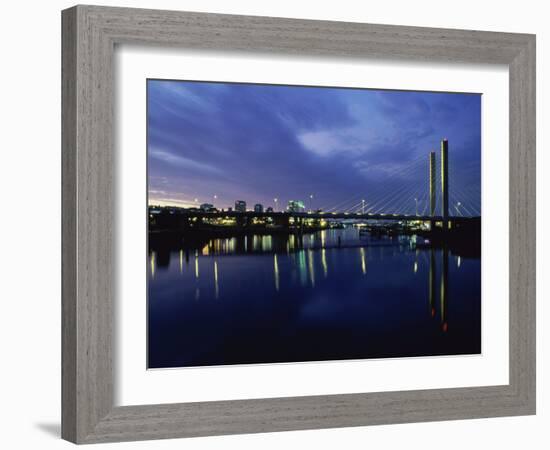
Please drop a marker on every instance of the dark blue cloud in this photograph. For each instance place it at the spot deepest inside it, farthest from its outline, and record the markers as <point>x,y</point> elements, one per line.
<point>258,142</point>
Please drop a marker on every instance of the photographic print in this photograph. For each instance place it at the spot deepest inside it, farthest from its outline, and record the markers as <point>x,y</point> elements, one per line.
<point>295,224</point>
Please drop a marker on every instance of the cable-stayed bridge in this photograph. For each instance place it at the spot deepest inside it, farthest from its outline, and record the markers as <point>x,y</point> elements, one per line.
<point>437,200</point>
<point>444,191</point>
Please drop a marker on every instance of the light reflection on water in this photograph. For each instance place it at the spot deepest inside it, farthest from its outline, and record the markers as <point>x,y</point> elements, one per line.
<point>289,298</point>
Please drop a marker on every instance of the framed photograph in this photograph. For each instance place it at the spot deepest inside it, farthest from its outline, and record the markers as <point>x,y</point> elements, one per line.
<point>278,224</point>
<point>299,223</point>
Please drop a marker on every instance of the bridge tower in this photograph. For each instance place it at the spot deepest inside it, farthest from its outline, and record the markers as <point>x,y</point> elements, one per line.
<point>445,180</point>
<point>432,184</point>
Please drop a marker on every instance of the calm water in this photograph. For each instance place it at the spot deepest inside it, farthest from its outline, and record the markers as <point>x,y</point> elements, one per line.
<point>331,295</point>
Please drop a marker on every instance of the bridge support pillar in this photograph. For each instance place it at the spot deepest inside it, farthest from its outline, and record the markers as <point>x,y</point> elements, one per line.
<point>432,180</point>
<point>445,182</point>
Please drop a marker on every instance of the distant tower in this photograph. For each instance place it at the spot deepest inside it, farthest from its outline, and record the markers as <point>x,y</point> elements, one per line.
<point>240,206</point>
<point>432,184</point>
<point>445,180</point>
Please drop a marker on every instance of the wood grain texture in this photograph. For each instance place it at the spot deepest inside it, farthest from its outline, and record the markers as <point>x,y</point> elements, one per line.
<point>523,224</point>
<point>68,226</point>
<point>89,36</point>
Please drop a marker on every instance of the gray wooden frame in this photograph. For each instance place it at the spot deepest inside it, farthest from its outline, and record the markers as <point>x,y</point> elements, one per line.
<point>89,36</point>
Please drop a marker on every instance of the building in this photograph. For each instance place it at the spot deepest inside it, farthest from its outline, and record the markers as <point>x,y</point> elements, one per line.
<point>258,207</point>
<point>295,206</point>
<point>269,209</point>
<point>207,206</point>
<point>240,206</point>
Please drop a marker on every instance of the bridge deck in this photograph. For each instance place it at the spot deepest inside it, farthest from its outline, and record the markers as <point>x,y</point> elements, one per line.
<point>317,215</point>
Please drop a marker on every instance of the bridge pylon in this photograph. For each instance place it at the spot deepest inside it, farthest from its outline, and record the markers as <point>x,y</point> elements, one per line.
<point>445,181</point>
<point>432,180</point>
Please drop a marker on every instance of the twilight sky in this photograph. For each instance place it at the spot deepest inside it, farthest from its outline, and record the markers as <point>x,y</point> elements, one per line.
<point>260,142</point>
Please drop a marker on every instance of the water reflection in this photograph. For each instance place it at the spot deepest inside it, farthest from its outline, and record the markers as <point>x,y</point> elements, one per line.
<point>301,260</point>
<point>276,271</point>
<point>297,298</point>
<point>152,263</point>
<point>432,283</point>
<point>197,266</point>
<point>363,261</point>
<point>444,287</point>
<point>324,262</point>
<point>216,285</point>
<point>311,270</point>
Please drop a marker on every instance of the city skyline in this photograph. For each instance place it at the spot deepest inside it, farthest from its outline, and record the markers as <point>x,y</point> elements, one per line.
<point>217,143</point>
